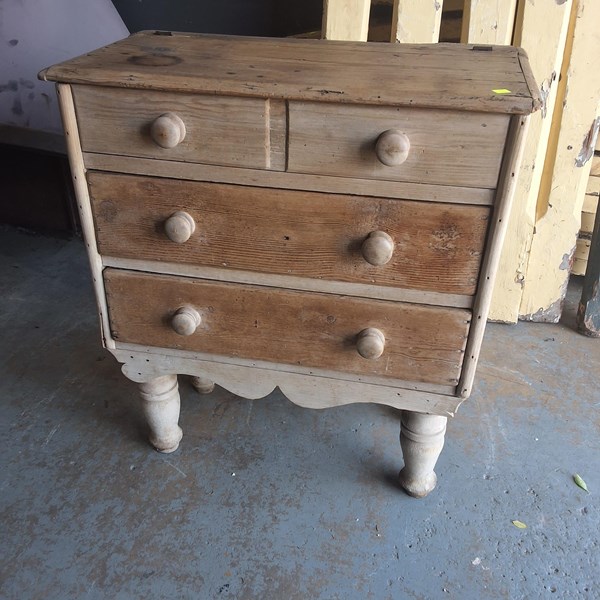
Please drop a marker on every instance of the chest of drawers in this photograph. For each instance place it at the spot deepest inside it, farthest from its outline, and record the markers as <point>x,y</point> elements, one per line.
<point>325,217</point>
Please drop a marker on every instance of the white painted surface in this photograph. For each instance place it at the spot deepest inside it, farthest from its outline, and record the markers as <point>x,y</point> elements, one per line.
<point>37,33</point>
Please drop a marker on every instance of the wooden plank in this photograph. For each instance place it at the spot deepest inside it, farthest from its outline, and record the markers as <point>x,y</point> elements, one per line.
<point>593,186</point>
<point>488,21</point>
<point>447,148</point>
<point>256,379</point>
<point>541,29</point>
<point>437,247</point>
<point>293,282</point>
<point>595,170</point>
<point>67,111</point>
<point>581,255</point>
<point>118,121</point>
<point>421,343</point>
<point>436,76</point>
<point>506,191</point>
<point>295,181</point>
<point>283,369</point>
<point>587,222</point>
<point>567,168</point>
<point>590,203</point>
<point>416,22</point>
<point>346,19</point>
<point>588,314</point>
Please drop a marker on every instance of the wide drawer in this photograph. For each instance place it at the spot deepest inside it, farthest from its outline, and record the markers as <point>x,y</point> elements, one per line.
<point>420,343</point>
<point>436,247</point>
<point>216,130</point>
<point>444,147</point>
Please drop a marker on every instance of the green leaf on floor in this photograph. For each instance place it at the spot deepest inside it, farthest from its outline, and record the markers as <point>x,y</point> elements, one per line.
<point>580,482</point>
<point>519,524</point>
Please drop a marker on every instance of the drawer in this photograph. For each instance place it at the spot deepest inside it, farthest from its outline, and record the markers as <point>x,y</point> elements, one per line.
<point>426,146</point>
<point>436,247</point>
<point>420,343</point>
<point>216,129</point>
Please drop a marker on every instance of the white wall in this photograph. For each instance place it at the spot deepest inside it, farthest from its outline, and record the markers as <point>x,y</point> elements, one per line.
<point>35,34</point>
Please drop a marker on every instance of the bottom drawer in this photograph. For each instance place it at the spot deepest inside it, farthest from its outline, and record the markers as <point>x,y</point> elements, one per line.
<point>417,343</point>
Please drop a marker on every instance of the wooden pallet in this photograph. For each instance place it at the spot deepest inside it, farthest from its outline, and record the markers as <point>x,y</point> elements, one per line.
<point>588,216</point>
<point>561,41</point>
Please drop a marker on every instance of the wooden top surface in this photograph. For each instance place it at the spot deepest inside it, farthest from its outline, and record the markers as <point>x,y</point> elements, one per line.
<point>454,76</point>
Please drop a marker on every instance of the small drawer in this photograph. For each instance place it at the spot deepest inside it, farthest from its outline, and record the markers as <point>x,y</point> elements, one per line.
<point>180,127</point>
<point>350,335</point>
<point>397,144</point>
<point>375,241</point>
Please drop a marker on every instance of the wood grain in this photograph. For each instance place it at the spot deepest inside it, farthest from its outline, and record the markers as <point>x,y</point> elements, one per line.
<point>422,343</point>
<point>439,75</point>
<point>226,131</point>
<point>251,379</point>
<point>438,247</point>
<point>70,125</point>
<point>446,148</point>
<point>296,181</point>
<point>498,228</point>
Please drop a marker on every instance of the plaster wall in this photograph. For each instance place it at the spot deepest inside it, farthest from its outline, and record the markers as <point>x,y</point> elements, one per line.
<point>37,33</point>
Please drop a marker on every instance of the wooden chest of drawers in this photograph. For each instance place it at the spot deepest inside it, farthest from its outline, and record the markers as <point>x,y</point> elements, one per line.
<point>325,217</point>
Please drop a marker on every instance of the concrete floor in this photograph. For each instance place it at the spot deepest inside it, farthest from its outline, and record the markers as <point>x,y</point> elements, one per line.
<point>267,500</point>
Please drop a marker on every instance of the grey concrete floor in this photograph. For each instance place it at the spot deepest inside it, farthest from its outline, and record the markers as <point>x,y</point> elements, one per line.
<point>268,500</point>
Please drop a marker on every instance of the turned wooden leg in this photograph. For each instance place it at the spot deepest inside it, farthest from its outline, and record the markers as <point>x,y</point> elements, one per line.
<point>160,398</point>
<point>422,440</point>
<point>203,385</point>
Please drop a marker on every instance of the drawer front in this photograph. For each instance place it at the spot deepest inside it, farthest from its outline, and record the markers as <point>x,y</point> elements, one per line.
<point>216,130</point>
<point>441,147</point>
<point>419,343</point>
<point>436,246</point>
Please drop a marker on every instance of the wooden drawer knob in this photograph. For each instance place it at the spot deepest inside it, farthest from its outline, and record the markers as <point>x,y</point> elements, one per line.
<point>168,130</point>
<point>378,248</point>
<point>186,320</point>
<point>179,227</point>
<point>392,147</point>
<point>370,343</point>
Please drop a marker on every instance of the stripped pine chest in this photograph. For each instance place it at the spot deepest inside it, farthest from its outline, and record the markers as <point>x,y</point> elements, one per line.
<point>321,216</point>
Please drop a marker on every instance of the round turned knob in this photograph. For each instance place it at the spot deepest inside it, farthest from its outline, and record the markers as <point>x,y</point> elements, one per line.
<point>179,227</point>
<point>392,147</point>
<point>370,343</point>
<point>185,321</point>
<point>168,130</point>
<point>378,248</point>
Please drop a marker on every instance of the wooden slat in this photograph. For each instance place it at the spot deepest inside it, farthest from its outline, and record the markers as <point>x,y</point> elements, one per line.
<point>290,282</point>
<point>421,343</point>
<point>294,181</point>
<point>595,171</point>
<point>346,19</point>
<point>488,21</point>
<point>590,203</point>
<point>580,256</point>
<point>588,314</point>
<point>447,148</point>
<point>498,228</point>
<point>256,379</point>
<point>69,119</point>
<point>567,168</point>
<point>542,30</point>
<point>440,75</point>
<point>219,130</point>
<point>593,186</point>
<point>438,247</point>
<point>416,22</point>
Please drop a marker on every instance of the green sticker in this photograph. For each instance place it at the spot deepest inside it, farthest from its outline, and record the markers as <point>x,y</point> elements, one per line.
<point>502,91</point>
